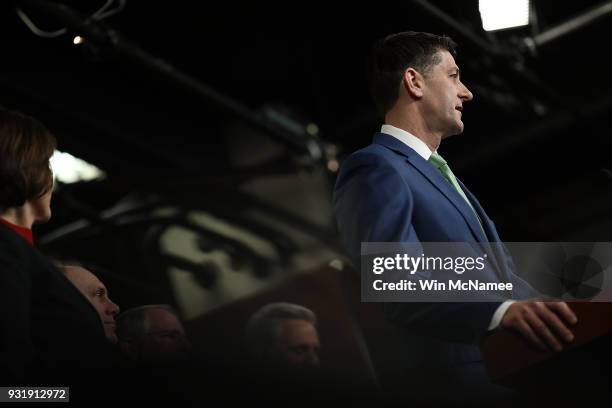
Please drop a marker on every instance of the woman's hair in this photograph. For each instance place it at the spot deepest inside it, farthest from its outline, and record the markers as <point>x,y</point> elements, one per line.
<point>26,146</point>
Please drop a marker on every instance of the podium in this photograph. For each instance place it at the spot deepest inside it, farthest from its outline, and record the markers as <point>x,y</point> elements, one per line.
<point>585,365</point>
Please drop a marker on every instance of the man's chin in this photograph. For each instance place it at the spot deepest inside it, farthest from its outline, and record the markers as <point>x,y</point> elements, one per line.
<point>456,131</point>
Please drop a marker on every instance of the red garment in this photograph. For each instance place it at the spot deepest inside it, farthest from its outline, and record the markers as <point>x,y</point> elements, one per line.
<point>24,232</point>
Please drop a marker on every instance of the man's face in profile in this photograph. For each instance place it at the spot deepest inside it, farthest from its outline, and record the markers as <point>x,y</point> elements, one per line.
<point>444,95</point>
<point>95,291</point>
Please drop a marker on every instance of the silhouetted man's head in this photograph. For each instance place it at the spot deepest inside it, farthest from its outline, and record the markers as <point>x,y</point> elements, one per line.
<point>284,335</point>
<point>152,333</point>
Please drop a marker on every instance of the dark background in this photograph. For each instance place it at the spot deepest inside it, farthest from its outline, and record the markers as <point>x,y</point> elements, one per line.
<point>542,141</point>
<point>534,151</point>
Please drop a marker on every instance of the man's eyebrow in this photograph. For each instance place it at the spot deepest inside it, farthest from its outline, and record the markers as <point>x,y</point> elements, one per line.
<point>456,70</point>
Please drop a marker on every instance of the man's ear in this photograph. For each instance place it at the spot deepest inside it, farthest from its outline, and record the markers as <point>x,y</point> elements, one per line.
<point>413,83</point>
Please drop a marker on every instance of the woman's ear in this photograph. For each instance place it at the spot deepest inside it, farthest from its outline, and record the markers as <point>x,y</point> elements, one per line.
<point>41,207</point>
<point>413,83</point>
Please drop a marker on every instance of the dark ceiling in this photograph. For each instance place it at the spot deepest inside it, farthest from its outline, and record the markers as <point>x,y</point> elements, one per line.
<point>537,126</point>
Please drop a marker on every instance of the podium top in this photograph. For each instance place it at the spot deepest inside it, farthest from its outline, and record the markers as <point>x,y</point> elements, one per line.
<point>506,352</point>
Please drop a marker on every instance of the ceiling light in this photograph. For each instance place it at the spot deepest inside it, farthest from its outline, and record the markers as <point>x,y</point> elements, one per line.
<point>69,169</point>
<point>500,14</point>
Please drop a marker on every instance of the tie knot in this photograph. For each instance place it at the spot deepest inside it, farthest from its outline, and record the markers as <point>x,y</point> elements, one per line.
<point>437,160</point>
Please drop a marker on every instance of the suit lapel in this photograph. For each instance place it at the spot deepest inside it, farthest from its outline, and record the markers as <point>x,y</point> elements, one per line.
<point>435,178</point>
<point>450,193</point>
<point>490,230</point>
<point>493,246</point>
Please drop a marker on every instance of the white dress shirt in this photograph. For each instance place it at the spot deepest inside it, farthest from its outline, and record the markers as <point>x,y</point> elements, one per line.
<point>424,151</point>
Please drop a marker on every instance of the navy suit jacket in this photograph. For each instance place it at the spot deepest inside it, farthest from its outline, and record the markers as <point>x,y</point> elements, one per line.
<point>387,192</point>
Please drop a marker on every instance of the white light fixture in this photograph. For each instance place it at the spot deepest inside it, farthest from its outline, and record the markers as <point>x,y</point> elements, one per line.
<point>500,14</point>
<point>78,40</point>
<point>69,169</point>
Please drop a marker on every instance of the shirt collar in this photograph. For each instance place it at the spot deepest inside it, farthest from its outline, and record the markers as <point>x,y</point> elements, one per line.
<point>25,233</point>
<point>408,139</point>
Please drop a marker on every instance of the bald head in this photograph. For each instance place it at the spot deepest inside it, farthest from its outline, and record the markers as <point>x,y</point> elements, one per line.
<point>90,286</point>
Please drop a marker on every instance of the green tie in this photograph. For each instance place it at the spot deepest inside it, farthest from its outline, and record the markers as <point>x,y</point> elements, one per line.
<point>440,164</point>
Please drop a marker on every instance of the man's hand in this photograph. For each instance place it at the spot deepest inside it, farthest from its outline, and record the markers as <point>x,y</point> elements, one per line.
<point>543,323</point>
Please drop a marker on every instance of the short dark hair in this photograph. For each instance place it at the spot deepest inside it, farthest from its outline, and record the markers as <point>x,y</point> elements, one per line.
<point>394,54</point>
<point>26,146</point>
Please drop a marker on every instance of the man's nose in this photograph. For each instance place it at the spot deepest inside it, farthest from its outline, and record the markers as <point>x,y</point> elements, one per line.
<point>113,309</point>
<point>464,93</point>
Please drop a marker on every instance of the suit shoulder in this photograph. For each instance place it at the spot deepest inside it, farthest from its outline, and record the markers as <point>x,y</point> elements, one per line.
<point>373,155</point>
<point>373,151</point>
<point>12,245</point>
<point>371,167</point>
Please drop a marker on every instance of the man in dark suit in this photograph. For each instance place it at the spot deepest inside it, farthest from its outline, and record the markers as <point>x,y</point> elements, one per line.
<point>399,189</point>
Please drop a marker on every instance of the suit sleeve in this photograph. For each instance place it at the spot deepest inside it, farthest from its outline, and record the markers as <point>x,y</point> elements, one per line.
<point>373,203</point>
<point>16,351</point>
